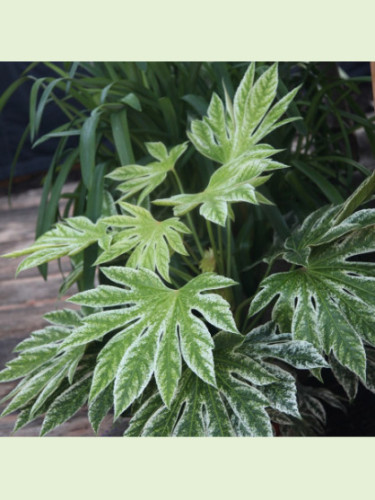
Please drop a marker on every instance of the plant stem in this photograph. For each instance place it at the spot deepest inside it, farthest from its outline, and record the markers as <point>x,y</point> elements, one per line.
<point>181,274</point>
<point>221,253</point>
<point>268,270</point>
<point>237,316</point>
<point>229,243</point>
<point>190,220</point>
<point>190,264</point>
<point>191,251</point>
<point>212,241</point>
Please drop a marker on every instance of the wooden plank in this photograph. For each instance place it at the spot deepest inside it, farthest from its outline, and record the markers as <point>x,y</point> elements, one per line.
<point>24,301</point>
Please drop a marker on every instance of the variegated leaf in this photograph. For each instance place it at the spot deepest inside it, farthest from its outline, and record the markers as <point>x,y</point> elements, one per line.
<point>26,415</point>
<point>224,138</point>
<point>229,136</point>
<point>40,363</point>
<point>233,182</point>
<point>246,386</point>
<point>40,385</point>
<point>347,379</point>
<point>148,240</point>
<point>144,179</point>
<point>100,407</point>
<point>66,238</point>
<point>158,328</point>
<point>329,300</point>
<point>66,405</point>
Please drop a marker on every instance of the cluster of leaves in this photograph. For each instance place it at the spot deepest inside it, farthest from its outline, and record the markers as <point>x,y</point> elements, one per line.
<point>113,110</point>
<point>327,298</point>
<point>166,343</point>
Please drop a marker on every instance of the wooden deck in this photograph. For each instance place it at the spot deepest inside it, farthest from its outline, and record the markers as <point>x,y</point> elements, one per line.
<point>24,301</point>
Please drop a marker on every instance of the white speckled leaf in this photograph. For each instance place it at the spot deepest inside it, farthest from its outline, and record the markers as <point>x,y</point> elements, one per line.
<point>229,137</point>
<point>246,386</point>
<point>158,328</point>
<point>233,182</point>
<point>34,385</point>
<point>330,300</point>
<point>66,405</point>
<point>144,179</point>
<point>146,239</point>
<point>99,407</point>
<point>66,238</point>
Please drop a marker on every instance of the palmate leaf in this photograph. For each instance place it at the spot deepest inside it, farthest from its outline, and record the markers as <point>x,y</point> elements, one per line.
<point>233,182</point>
<point>349,381</point>
<point>66,404</point>
<point>223,135</point>
<point>247,384</point>
<point>54,383</point>
<point>229,136</point>
<point>42,382</point>
<point>66,238</point>
<point>44,369</point>
<point>100,407</point>
<point>157,328</point>
<point>147,239</point>
<point>329,301</point>
<point>144,179</point>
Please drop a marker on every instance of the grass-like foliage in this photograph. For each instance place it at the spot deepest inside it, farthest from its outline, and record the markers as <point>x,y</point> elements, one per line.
<point>162,338</point>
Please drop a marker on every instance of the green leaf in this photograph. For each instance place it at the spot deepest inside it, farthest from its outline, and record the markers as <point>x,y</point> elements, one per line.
<point>225,134</point>
<point>67,238</point>
<point>27,362</point>
<point>329,190</point>
<point>66,405</point>
<point>246,386</point>
<point>198,103</point>
<point>347,379</point>
<point>35,384</point>
<point>148,240</point>
<point>329,301</point>
<point>121,135</point>
<point>233,182</point>
<point>42,103</point>
<point>153,318</point>
<point>144,179</point>
<point>360,195</point>
<point>100,407</point>
<point>132,101</point>
<point>87,148</point>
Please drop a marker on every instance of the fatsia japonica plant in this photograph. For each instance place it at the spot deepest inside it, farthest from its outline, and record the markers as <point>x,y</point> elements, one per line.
<point>163,338</point>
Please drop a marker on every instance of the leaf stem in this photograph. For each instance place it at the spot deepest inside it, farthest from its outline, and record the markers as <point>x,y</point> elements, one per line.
<point>192,253</point>
<point>212,240</point>
<point>181,274</point>
<point>190,220</point>
<point>243,304</point>
<point>221,253</point>
<point>229,244</point>
<point>190,264</point>
<point>240,307</point>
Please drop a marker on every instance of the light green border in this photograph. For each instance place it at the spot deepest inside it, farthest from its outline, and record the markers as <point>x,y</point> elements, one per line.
<point>186,468</point>
<point>194,469</point>
<point>193,30</point>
